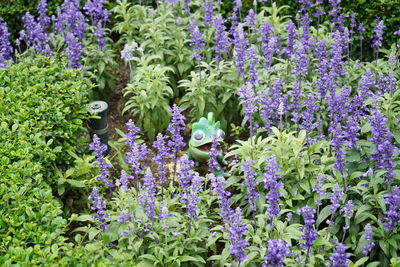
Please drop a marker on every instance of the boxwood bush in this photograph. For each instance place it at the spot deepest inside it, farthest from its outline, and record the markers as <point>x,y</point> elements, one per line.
<point>42,107</point>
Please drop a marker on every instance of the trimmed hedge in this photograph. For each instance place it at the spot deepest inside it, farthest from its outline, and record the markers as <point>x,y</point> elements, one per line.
<point>42,107</point>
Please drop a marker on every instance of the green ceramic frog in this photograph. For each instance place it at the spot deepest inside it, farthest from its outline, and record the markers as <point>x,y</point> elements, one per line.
<point>201,139</point>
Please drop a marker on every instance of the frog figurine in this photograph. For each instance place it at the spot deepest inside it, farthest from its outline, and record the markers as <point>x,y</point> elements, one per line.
<point>201,140</point>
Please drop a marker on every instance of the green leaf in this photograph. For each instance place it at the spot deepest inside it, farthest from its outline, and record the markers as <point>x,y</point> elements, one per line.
<point>75,183</point>
<point>323,214</point>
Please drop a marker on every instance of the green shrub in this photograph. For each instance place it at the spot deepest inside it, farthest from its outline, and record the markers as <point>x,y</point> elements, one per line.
<point>42,107</point>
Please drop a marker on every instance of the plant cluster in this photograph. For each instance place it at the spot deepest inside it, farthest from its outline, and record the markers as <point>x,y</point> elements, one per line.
<point>316,181</point>
<point>42,108</point>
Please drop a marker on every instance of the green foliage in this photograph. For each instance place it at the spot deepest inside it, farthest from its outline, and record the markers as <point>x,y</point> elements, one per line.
<point>149,96</point>
<point>42,107</point>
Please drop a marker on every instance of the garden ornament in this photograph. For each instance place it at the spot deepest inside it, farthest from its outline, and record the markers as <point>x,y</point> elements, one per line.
<point>201,139</point>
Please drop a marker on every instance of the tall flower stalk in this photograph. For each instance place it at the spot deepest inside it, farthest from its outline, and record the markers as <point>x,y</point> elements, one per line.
<point>175,143</point>
<point>101,163</point>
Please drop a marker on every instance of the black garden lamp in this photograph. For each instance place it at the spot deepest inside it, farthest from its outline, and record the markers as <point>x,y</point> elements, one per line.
<point>99,126</point>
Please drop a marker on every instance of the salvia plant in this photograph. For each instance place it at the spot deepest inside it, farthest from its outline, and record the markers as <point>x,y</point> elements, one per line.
<point>313,177</point>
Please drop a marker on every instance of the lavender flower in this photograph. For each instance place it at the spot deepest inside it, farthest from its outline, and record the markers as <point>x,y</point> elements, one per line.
<point>250,183</point>
<point>192,196</point>
<point>278,250</point>
<point>74,50</point>
<point>249,99</point>
<point>336,197</point>
<point>70,19</point>
<point>339,258</point>
<point>123,182</point>
<point>196,40</point>
<point>254,61</point>
<point>236,232</point>
<point>250,20</point>
<point>361,30</point>
<point>127,52</point>
<point>221,37</point>
<point>43,19</point>
<point>99,16</point>
<point>136,153</point>
<point>384,150</point>
<point>266,32</point>
<point>98,205</point>
<point>124,217</point>
<point>99,150</point>
<point>271,183</point>
<point>70,22</point>
<point>273,47</point>
<point>241,46</point>
<point>208,12</point>
<point>176,126</point>
<point>368,237</point>
<point>348,209</point>
<point>291,35</point>
<point>34,35</point>
<point>272,100</point>
<point>164,213</point>
<point>191,184</point>
<point>300,70</point>
<point>378,36</point>
<point>318,188</point>
<point>161,157</point>
<point>309,235</point>
<point>6,49</point>
<point>392,200</point>
<point>218,186</point>
<point>309,122</point>
<point>213,165</point>
<point>147,197</point>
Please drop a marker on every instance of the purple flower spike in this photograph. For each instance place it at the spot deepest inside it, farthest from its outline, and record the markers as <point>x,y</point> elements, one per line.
<point>273,185</point>
<point>98,205</point>
<point>339,258</point>
<point>176,126</point>
<point>241,46</point>
<point>291,35</point>
<point>196,40</point>
<point>222,41</point>
<point>124,217</point>
<point>43,19</point>
<point>123,182</point>
<point>236,232</point>
<point>136,153</point>
<point>249,99</point>
<point>278,250</point>
<point>250,183</point>
<point>208,11</point>
<point>318,188</point>
<point>99,16</point>
<point>378,36</point>
<point>384,150</point>
<point>309,235</point>
<point>191,184</point>
<point>250,20</point>
<point>161,157</point>
<point>368,237</point>
<point>74,51</point>
<point>147,197</point>
<point>213,165</point>
<point>6,49</point>
<point>34,35</point>
<point>392,200</point>
<point>218,186</point>
<point>99,150</point>
<point>336,197</point>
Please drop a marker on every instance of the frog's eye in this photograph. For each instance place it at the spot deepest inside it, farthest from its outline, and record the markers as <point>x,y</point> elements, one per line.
<point>221,134</point>
<point>199,135</point>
